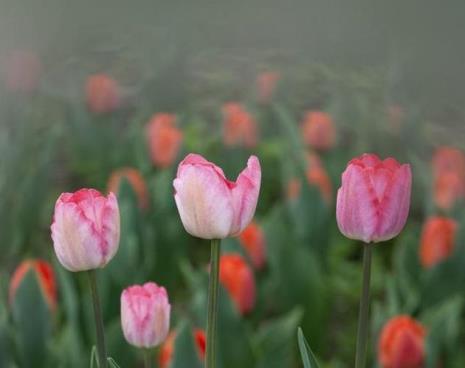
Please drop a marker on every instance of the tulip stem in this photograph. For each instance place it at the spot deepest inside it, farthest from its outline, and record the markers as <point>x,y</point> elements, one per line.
<point>147,358</point>
<point>210,360</point>
<point>363,319</point>
<point>101,350</point>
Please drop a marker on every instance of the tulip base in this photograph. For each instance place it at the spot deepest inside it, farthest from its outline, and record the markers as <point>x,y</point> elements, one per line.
<point>363,317</point>
<point>101,350</point>
<point>213,288</point>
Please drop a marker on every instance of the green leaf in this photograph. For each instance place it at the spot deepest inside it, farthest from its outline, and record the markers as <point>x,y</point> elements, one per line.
<point>185,353</point>
<point>308,358</point>
<point>274,340</point>
<point>112,362</point>
<point>93,357</point>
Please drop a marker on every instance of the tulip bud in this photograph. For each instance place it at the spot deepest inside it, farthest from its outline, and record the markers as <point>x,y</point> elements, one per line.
<point>136,181</point>
<point>85,229</point>
<point>437,240</point>
<point>145,315</point>
<point>210,206</point>
<point>253,240</point>
<point>22,70</point>
<point>266,85</point>
<point>103,93</point>
<point>318,130</point>
<point>240,127</point>
<point>43,271</point>
<point>164,139</point>
<point>167,349</point>
<point>374,198</point>
<point>402,343</point>
<point>238,279</point>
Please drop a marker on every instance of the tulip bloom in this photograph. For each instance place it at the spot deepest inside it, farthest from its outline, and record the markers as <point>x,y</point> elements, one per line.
<point>145,315</point>
<point>43,271</point>
<point>164,139</point>
<point>22,70</point>
<point>448,166</point>
<point>237,278</point>
<point>136,181</point>
<point>167,349</point>
<point>103,93</point>
<point>266,85</point>
<point>240,127</point>
<point>85,229</point>
<point>210,206</point>
<point>318,130</point>
<point>402,343</point>
<point>253,240</point>
<point>437,240</point>
<point>374,198</point>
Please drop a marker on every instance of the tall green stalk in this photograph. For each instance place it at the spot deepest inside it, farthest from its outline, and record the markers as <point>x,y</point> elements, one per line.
<point>147,358</point>
<point>210,360</point>
<point>101,350</point>
<point>363,318</point>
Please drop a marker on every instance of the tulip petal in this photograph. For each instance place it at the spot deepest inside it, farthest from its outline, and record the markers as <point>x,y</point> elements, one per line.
<point>245,195</point>
<point>203,198</point>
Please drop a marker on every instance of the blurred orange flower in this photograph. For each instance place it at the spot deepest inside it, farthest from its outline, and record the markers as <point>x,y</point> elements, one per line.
<point>402,343</point>
<point>238,279</point>
<point>316,176</point>
<point>164,139</point>
<point>103,93</point>
<point>167,349</point>
<point>253,240</point>
<point>22,71</point>
<point>448,177</point>
<point>318,130</point>
<point>136,181</point>
<point>45,277</point>
<point>266,85</point>
<point>240,127</point>
<point>437,240</point>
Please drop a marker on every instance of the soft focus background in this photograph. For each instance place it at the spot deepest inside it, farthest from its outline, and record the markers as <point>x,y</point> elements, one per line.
<point>80,84</point>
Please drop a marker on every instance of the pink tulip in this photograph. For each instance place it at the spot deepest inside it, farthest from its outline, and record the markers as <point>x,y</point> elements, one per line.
<point>145,315</point>
<point>85,229</point>
<point>374,198</point>
<point>210,206</point>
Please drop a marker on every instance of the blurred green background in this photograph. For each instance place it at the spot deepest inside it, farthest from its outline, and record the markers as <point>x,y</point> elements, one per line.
<point>352,59</point>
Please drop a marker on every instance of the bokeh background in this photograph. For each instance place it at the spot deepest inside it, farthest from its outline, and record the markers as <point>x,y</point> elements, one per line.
<point>389,74</point>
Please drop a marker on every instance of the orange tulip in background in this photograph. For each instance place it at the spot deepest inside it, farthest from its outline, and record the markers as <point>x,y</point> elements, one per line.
<point>253,240</point>
<point>164,139</point>
<point>402,343</point>
<point>45,276</point>
<point>136,181</point>
<point>237,278</point>
<point>437,240</point>
<point>318,130</point>
<point>239,127</point>
<point>167,349</point>
<point>448,166</point>
<point>103,93</point>
<point>266,85</point>
<point>316,176</point>
<point>22,71</point>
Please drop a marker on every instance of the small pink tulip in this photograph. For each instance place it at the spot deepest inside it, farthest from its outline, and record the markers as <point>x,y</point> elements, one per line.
<point>85,229</point>
<point>374,198</point>
<point>210,206</point>
<point>145,315</point>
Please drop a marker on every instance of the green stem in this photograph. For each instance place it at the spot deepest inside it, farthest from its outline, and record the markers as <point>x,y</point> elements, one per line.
<point>210,360</point>
<point>147,358</point>
<point>362,334</point>
<point>101,350</point>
